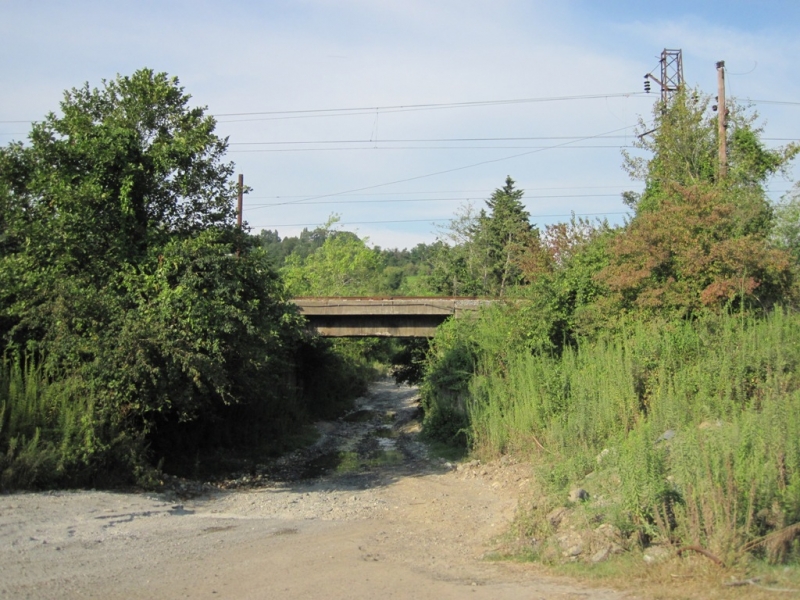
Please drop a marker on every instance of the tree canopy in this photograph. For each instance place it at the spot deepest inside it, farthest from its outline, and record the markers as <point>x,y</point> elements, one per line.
<point>697,239</point>
<point>123,167</point>
<point>119,272</point>
<point>483,250</point>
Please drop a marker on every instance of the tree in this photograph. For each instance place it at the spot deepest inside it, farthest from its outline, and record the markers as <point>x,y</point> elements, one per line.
<point>699,240</point>
<point>506,230</point>
<point>119,274</point>
<point>482,251</point>
<point>342,266</point>
<point>682,143</point>
<point>786,230</point>
<point>460,266</point>
<point>123,167</point>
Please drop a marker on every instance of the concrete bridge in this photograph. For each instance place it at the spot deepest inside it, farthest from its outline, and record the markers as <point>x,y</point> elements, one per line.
<point>383,317</point>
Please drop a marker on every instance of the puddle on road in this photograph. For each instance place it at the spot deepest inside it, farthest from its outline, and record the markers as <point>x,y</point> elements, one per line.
<point>344,462</point>
<point>387,444</point>
<point>321,465</point>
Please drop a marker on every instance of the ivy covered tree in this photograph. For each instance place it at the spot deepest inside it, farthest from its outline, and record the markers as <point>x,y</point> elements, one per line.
<point>118,268</point>
<point>122,168</point>
<point>680,148</point>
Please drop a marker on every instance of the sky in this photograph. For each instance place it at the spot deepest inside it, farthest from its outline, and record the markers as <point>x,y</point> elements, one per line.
<point>396,114</point>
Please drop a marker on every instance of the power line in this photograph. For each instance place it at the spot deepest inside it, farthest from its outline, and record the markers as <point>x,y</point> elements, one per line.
<point>453,170</point>
<point>476,139</point>
<point>439,220</point>
<point>431,106</point>
<point>786,102</point>
<point>459,199</point>
<point>379,149</point>
<point>421,140</point>
<point>402,200</point>
<point>484,191</point>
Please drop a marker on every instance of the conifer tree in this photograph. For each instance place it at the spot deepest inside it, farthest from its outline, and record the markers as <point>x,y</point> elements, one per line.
<point>504,232</point>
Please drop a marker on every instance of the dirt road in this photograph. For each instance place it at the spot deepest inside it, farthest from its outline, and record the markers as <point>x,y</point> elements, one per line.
<point>363,514</point>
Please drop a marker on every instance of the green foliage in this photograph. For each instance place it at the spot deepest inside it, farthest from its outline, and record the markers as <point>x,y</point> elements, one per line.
<point>125,167</point>
<point>701,248</point>
<point>561,268</point>
<point>689,428</point>
<point>204,329</point>
<point>699,240</point>
<point>480,254</point>
<point>682,143</point>
<point>341,266</point>
<point>51,433</point>
<point>155,321</point>
<point>301,246</point>
<point>505,231</point>
<point>459,263</point>
<point>648,362</point>
<point>786,229</point>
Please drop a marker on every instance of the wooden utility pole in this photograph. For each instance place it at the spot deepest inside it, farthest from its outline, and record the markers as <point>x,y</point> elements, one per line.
<point>239,213</point>
<point>723,121</point>
<point>241,200</point>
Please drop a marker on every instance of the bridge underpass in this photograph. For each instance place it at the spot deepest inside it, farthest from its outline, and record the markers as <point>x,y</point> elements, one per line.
<point>383,317</point>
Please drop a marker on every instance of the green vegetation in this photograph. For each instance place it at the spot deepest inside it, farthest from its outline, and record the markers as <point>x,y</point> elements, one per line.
<point>691,428</point>
<point>655,365</point>
<point>138,325</point>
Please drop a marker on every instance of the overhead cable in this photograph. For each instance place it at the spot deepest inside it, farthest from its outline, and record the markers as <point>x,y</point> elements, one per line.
<point>435,220</point>
<point>445,171</point>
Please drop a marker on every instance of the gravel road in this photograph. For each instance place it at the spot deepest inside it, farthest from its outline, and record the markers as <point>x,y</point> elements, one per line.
<point>364,513</point>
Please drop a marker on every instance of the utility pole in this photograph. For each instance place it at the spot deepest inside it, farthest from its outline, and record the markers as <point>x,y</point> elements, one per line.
<point>239,213</point>
<point>671,81</point>
<point>241,200</point>
<point>722,114</point>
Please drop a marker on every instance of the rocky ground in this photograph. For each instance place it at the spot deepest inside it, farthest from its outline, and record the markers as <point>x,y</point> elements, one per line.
<point>363,513</point>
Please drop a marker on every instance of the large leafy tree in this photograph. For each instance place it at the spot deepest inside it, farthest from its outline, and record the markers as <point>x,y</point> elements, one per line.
<point>342,266</point>
<point>123,167</point>
<point>119,267</point>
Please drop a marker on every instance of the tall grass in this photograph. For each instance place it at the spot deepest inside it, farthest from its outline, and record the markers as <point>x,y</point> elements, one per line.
<point>697,422</point>
<point>51,433</point>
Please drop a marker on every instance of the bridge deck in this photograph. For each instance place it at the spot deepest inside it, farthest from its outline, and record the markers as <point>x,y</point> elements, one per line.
<point>383,316</point>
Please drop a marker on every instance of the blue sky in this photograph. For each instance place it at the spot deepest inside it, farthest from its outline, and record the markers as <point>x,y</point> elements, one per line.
<point>415,167</point>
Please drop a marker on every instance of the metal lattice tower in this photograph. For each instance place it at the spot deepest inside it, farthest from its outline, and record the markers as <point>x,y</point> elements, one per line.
<point>671,72</point>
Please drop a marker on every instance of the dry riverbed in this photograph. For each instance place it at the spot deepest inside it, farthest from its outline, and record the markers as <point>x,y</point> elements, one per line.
<point>364,513</point>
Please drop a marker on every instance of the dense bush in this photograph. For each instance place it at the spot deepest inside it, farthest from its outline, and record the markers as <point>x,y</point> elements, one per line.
<point>137,322</point>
